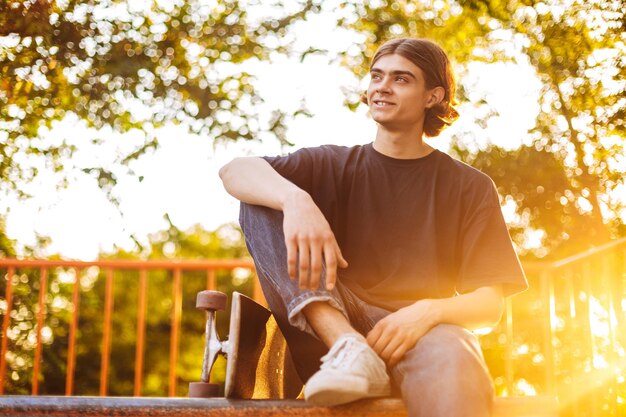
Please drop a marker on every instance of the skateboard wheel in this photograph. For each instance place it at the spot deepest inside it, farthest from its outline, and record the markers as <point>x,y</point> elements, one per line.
<point>203,390</point>
<point>211,300</point>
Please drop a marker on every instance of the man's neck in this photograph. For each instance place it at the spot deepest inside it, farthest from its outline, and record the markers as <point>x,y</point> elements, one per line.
<point>401,144</point>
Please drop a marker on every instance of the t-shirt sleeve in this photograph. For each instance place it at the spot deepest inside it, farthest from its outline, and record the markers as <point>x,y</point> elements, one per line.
<point>317,171</point>
<point>487,253</point>
<point>297,167</point>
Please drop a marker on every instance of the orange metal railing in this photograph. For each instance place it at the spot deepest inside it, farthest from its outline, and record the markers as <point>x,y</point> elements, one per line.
<point>573,307</point>
<point>177,268</point>
<point>561,337</point>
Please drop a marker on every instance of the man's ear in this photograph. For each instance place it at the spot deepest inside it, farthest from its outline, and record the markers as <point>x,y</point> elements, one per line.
<point>435,97</point>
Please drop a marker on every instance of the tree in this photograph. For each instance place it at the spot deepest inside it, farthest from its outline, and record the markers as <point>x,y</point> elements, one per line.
<point>7,246</point>
<point>577,50</point>
<point>130,65</point>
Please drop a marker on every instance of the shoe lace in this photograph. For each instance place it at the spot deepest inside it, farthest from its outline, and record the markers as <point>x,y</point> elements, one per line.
<point>342,353</point>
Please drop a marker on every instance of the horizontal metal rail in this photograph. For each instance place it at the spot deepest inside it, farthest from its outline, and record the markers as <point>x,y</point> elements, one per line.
<point>539,266</point>
<point>205,265</point>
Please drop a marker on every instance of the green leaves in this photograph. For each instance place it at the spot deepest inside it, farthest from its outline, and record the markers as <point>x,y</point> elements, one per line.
<point>131,65</point>
<point>127,65</point>
<point>577,50</point>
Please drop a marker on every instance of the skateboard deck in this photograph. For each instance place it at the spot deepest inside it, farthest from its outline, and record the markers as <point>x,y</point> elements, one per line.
<point>258,364</point>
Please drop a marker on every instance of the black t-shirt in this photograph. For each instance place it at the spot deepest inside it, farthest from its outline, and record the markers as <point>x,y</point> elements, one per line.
<point>409,228</point>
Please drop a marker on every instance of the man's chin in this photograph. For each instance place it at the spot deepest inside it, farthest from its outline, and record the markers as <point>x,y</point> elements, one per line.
<point>394,123</point>
<point>383,119</point>
<point>388,122</point>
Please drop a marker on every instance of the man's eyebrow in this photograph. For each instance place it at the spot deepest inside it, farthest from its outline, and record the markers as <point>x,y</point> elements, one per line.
<point>394,72</point>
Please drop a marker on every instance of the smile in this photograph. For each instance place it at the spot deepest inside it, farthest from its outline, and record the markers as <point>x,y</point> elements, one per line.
<point>382,103</point>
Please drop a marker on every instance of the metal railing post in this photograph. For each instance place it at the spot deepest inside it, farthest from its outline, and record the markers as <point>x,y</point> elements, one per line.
<point>106,334</point>
<point>6,320</point>
<point>141,332</point>
<point>71,350</point>
<point>508,359</point>
<point>547,297</point>
<point>43,286</point>
<point>177,297</point>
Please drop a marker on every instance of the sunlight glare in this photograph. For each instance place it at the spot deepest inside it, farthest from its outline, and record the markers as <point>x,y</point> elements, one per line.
<point>522,349</point>
<point>599,361</point>
<point>483,331</point>
<point>523,387</point>
<point>241,275</point>
<point>598,319</point>
<point>66,276</point>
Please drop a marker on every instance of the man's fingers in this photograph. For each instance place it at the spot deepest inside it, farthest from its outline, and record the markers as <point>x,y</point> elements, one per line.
<point>390,349</point>
<point>373,335</point>
<point>304,260</point>
<point>379,338</point>
<point>316,266</point>
<point>331,266</point>
<point>292,254</point>
<point>340,259</point>
<point>386,343</point>
<point>398,354</point>
<point>334,259</point>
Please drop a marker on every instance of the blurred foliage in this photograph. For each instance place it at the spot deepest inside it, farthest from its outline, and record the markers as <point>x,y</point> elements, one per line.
<point>103,60</point>
<point>136,65</point>
<point>569,178</point>
<point>196,243</point>
<point>125,65</point>
<point>7,245</point>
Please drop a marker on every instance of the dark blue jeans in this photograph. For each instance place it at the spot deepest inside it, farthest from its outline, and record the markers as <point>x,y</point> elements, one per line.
<point>444,375</point>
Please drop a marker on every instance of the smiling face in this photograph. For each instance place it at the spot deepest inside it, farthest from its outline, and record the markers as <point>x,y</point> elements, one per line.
<point>397,94</point>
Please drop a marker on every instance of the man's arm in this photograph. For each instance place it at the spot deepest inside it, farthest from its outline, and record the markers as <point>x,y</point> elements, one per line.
<point>394,335</point>
<point>253,180</point>
<point>308,236</point>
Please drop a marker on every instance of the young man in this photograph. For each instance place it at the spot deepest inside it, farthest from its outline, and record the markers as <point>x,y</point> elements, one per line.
<point>383,255</point>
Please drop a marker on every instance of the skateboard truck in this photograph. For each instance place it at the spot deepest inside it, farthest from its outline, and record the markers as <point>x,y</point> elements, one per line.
<point>259,364</point>
<point>210,301</point>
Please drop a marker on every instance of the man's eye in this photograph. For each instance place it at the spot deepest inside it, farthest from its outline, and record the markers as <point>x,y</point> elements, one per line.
<point>401,79</point>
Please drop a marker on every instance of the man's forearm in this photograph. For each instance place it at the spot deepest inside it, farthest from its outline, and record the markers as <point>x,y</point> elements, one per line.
<point>477,309</point>
<point>253,180</point>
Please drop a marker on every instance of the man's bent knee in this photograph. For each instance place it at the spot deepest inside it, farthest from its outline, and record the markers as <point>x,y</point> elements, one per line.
<point>446,348</point>
<point>445,374</point>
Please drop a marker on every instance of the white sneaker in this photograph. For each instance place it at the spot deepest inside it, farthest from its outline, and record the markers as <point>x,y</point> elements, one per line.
<point>351,370</point>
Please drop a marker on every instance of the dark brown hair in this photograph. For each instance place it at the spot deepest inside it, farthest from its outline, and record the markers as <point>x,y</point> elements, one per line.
<point>435,65</point>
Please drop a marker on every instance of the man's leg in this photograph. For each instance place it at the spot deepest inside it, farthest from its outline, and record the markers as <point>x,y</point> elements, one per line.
<point>301,314</point>
<point>445,375</point>
<point>264,237</point>
<point>328,322</point>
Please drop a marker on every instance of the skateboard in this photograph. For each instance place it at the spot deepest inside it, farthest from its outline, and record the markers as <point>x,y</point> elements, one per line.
<point>258,362</point>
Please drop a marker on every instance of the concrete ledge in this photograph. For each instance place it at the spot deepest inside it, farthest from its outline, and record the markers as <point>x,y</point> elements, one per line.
<point>540,406</point>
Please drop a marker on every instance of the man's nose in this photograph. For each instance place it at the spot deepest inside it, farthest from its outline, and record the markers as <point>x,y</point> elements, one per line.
<point>383,86</point>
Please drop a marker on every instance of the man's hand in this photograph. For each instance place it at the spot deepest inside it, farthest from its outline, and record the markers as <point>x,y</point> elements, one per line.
<point>310,242</point>
<point>397,333</point>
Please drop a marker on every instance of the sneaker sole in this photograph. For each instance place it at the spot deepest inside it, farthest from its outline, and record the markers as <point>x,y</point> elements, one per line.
<point>330,396</point>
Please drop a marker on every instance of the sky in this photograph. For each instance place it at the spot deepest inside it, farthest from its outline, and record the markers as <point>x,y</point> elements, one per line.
<point>181,177</point>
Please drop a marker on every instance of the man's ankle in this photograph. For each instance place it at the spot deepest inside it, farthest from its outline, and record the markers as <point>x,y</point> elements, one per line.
<point>328,323</point>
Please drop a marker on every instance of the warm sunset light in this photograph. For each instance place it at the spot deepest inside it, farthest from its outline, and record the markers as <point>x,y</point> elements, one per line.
<point>116,116</point>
